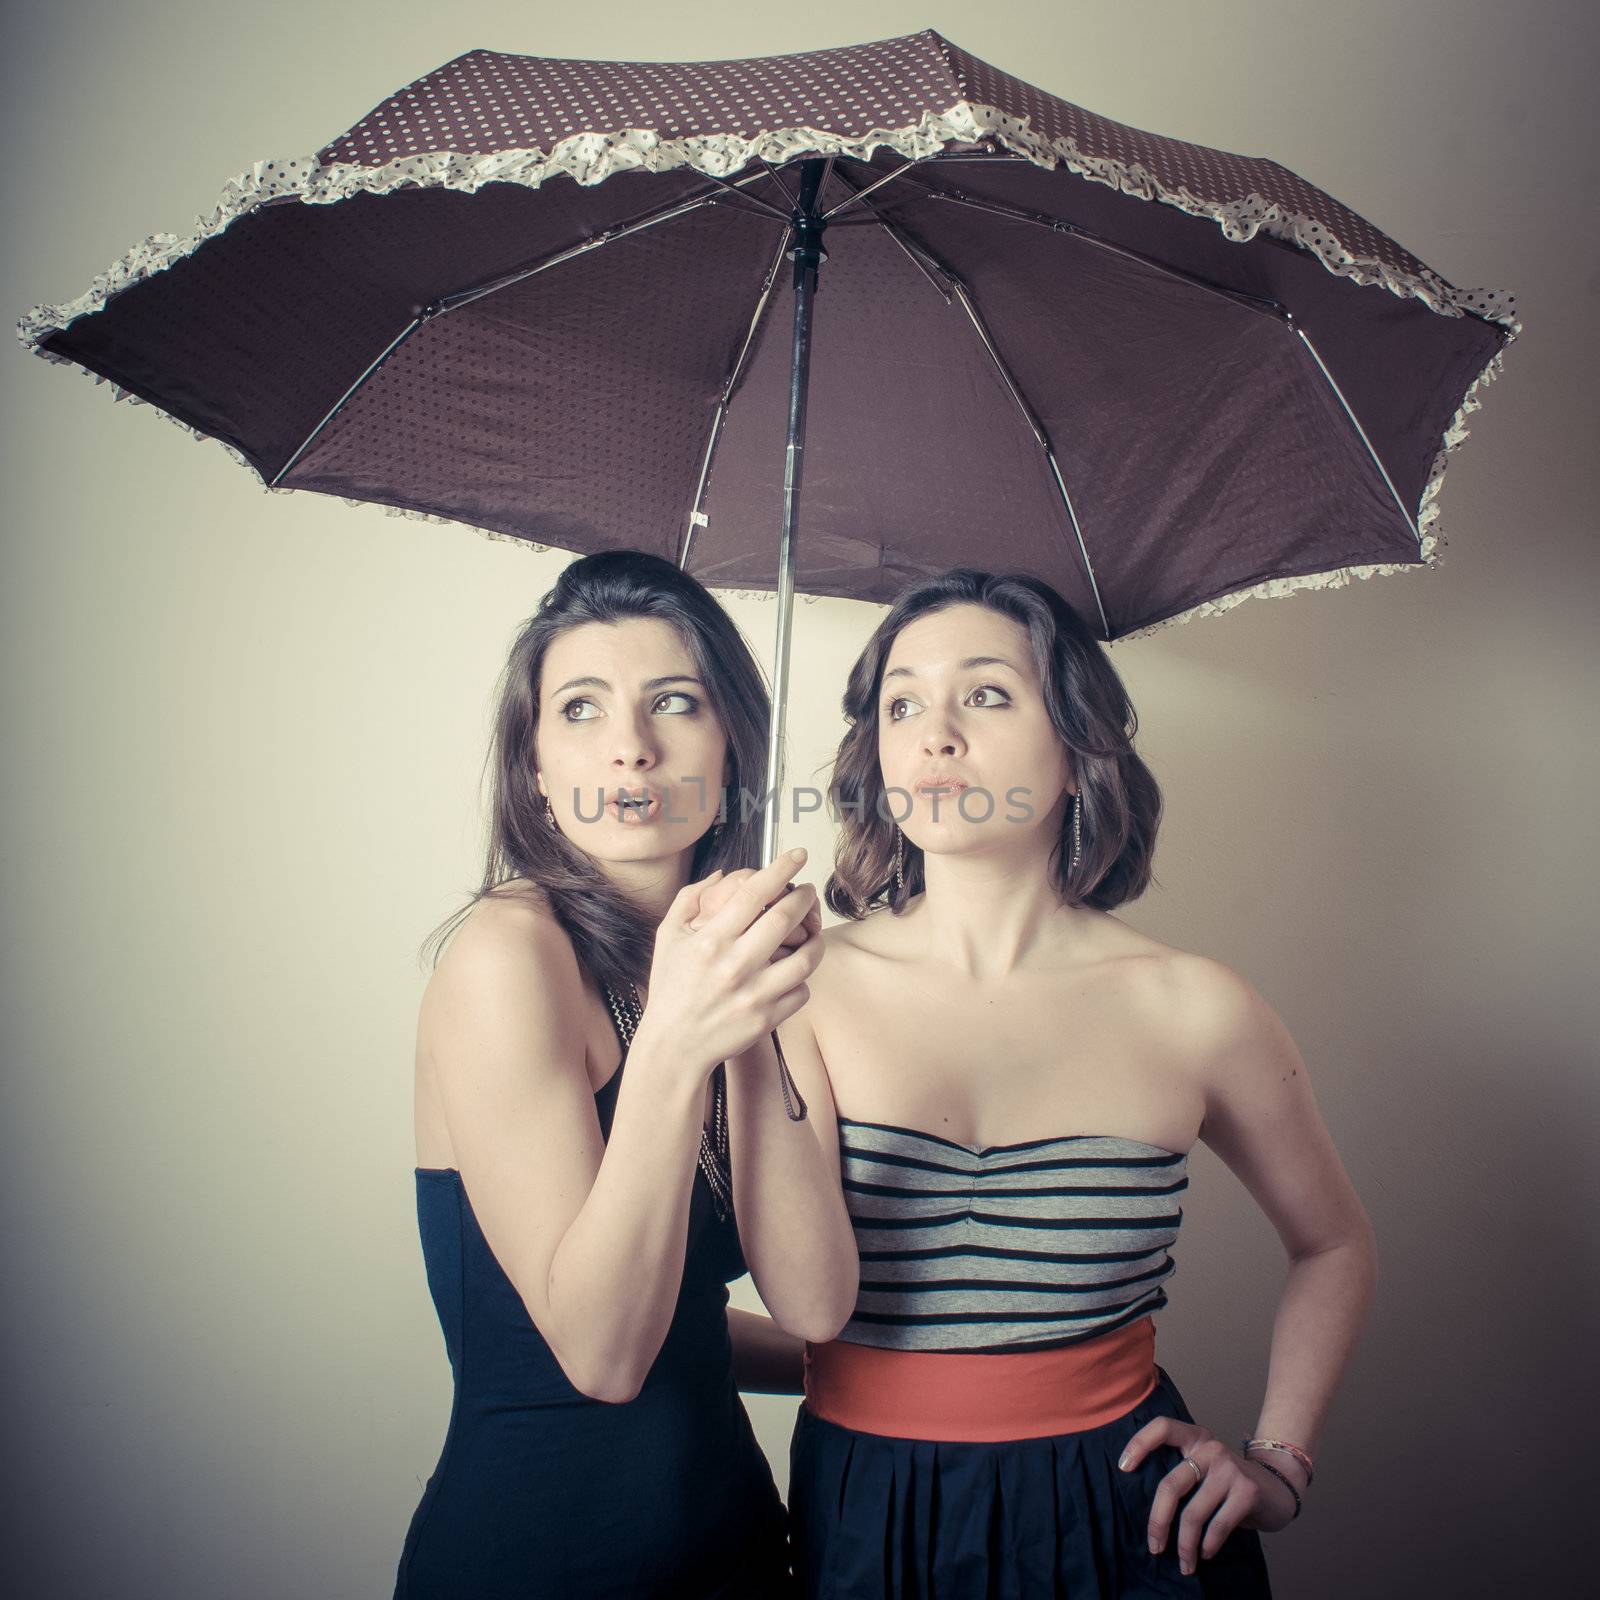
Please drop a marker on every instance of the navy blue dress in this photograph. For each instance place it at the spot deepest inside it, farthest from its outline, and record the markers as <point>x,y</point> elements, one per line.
<point>541,1491</point>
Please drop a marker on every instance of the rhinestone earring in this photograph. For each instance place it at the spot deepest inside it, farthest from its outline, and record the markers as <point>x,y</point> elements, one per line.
<point>1077,831</point>
<point>550,816</point>
<point>899,862</point>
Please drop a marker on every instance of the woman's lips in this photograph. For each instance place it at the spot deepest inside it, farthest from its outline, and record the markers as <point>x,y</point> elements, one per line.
<point>635,811</point>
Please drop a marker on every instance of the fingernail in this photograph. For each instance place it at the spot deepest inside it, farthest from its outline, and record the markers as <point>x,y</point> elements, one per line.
<point>1123,1463</point>
<point>798,852</point>
<point>1185,1568</point>
<point>1155,1545</point>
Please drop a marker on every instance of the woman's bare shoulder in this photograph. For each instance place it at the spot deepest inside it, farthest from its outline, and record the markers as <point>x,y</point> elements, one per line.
<point>510,937</point>
<point>1202,997</point>
<point>853,941</point>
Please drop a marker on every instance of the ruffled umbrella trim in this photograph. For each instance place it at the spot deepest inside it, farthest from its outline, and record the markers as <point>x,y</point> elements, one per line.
<point>590,158</point>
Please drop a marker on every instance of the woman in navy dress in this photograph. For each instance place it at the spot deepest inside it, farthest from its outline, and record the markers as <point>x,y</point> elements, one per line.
<point>1018,1077</point>
<point>589,1062</point>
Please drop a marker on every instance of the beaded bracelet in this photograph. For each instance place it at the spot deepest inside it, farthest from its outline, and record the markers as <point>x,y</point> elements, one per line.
<point>1268,1467</point>
<point>1278,1444</point>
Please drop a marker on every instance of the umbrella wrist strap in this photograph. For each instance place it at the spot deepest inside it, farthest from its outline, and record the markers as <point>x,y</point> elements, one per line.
<point>793,1103</point>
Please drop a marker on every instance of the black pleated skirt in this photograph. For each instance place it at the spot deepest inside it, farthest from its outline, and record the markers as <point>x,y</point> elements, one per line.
<point>874,1518</point>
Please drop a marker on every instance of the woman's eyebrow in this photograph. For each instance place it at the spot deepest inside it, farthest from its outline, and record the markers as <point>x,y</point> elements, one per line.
<point>600,683</point>
<point>962,666</point>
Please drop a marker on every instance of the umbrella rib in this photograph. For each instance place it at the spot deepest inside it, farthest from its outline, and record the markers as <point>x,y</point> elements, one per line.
<point>1242,297</point>
<point>772,172</point>
<point>914,253</point>
<point>923,265</point>
<point>1043,438</point>
<point>1355,422</point>
<point>697,517</point>
<point>464,297</point>
<point>737,193</point>
<point>306,443</point>
<point>861,194</point>
<point>915,250</point>
<point>917,161</point>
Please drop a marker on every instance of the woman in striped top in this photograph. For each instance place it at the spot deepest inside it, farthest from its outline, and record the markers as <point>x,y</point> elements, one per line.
<point>1017,1077</point>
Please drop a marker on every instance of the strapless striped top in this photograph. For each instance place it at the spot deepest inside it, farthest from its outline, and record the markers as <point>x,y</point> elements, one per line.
<point>1019,1246</point>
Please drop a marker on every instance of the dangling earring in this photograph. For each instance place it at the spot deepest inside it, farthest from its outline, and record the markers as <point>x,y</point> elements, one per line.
<point>713,833</point>
<point>1077,831</point>
<point>899,862</point>
<point>550,816</point>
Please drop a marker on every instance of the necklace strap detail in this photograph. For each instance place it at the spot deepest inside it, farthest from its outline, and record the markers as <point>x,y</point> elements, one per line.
<point>714,1159</point>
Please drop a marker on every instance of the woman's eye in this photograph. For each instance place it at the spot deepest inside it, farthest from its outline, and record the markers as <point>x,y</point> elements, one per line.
<point>985,696</point>
<point>674,703</point>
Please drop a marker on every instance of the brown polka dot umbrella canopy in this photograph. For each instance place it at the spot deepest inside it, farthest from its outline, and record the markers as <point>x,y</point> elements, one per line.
<point>557,300</point>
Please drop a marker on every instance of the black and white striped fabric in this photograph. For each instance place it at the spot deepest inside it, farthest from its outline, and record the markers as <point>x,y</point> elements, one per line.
<point>1017,1246</point>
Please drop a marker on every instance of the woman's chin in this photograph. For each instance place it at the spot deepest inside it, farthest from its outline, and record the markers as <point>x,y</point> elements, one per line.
<point>955,836</point>
<point>619,842</point>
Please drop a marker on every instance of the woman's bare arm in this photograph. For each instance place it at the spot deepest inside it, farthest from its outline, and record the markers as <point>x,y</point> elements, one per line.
<point>591,1233</point>
<point>793,1225</point>
<point>766,1360</point>
<point>1262,1120</point>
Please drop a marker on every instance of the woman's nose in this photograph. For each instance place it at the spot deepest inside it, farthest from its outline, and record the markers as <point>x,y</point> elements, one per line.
<point>942,737</point>
<point>634,748</point>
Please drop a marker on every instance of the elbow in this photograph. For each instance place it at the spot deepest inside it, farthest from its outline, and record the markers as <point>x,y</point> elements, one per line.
<point>814,1329</point>
<point>831,1320</point>
<point>828,1329</point>
<point>597,1374</point>
<point>611,1390</point>
<point>588,1355</point>
<point>824,1319</point>
<point>1357,1248</point>
<point>1365,1242</point>
<point>612,1384</point>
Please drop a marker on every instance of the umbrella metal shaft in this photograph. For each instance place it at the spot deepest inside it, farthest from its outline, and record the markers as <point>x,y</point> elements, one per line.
<point>807,255</point>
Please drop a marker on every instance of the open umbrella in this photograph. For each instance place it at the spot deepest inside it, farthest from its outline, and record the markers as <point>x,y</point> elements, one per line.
<point>549,298</point>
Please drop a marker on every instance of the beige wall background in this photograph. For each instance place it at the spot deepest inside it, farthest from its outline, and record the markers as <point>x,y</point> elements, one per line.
<point>244,735</point>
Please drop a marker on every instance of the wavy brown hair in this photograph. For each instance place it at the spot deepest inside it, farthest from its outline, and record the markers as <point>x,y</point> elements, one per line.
<point>1090,711</point>
<point>613,939</point>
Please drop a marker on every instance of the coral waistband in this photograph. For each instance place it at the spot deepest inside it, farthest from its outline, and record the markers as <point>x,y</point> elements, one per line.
<point>982,1399</point>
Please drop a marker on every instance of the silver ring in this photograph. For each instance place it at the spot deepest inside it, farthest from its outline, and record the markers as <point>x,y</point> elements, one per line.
<point>1199,1475</point>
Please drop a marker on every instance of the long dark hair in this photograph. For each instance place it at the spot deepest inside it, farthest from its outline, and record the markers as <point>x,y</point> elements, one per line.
<point>611,937</point>
<point>1090,711</point>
